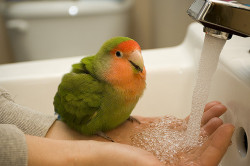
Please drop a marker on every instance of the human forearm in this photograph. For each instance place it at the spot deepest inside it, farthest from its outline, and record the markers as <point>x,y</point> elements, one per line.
<point>43,151</point>
<point>49,152</point>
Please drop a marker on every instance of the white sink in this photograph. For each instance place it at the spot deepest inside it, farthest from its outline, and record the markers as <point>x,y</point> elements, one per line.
<point>170,80</point>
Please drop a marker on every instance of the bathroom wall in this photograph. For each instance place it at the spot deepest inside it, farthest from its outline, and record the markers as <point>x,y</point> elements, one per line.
<point>141,23</point>
<point>160,23</point>
<point>170,22</point>
<point>5,51</point>
<point>154,24</point>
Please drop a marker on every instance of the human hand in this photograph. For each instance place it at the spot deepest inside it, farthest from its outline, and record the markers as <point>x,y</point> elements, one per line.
<point>210,153</point>
<point>219,137</point>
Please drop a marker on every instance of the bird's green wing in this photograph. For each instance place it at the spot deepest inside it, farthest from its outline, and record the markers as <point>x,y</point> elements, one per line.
<point>85,66</point>
<point>79,96</point>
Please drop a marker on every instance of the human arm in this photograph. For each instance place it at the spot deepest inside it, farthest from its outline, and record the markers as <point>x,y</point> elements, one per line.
<point>15,122</point>
<point>22,142</point>
<point>49,152</point>
<point>43,150</point>
<point>209,154</point>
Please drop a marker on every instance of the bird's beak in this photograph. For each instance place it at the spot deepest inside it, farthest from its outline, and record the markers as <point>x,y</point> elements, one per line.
<point>136,60</point>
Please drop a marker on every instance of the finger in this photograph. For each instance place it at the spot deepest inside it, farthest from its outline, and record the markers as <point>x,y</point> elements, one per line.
<point>207,107</point>
<point>215,111</point>
<point>210,105</point>
<point>211,126</point>
<point>217,145</point>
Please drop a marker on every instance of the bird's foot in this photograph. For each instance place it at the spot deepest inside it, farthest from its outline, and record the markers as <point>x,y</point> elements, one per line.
<point>103,135</point>
<point>132,119</point>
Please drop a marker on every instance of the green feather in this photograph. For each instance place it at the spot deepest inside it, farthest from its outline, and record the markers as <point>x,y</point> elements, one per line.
<point>110,44</point>
<point>85,101</point>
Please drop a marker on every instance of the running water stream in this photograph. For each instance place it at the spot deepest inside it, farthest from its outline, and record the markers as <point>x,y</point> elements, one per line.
<point>212,48</point>
<point>170,137</point>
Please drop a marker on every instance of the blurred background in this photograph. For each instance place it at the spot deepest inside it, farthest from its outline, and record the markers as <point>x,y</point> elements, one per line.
<point>39,29</point>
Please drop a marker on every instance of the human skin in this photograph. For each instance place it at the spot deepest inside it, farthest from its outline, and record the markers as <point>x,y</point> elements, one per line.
<point>51,152</point>
<point>63,146</point>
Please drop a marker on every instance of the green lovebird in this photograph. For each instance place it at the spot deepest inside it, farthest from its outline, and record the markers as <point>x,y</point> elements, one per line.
<point>101,91</point>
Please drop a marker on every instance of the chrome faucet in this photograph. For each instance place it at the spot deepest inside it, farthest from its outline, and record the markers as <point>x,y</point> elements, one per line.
<point>222,19</point>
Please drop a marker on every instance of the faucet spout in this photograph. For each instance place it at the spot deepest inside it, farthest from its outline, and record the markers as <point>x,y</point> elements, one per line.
<point>217,33</point>
<point>222,18</point>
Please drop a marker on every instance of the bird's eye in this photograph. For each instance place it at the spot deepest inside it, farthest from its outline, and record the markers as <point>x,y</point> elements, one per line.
<point>118,54</point>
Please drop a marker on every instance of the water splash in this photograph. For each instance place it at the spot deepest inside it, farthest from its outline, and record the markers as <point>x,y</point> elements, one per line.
<point>165,138</point>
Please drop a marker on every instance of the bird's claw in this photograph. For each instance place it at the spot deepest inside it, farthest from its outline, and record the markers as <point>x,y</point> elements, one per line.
<point>103,135</point>
<point>132,119</point>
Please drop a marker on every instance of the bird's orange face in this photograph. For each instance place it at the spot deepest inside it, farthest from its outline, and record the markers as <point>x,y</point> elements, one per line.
<point>129,52</point>
<point>127,69</point>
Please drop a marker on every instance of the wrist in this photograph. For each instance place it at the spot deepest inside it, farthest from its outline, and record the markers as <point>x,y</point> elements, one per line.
<point>59,130</point>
